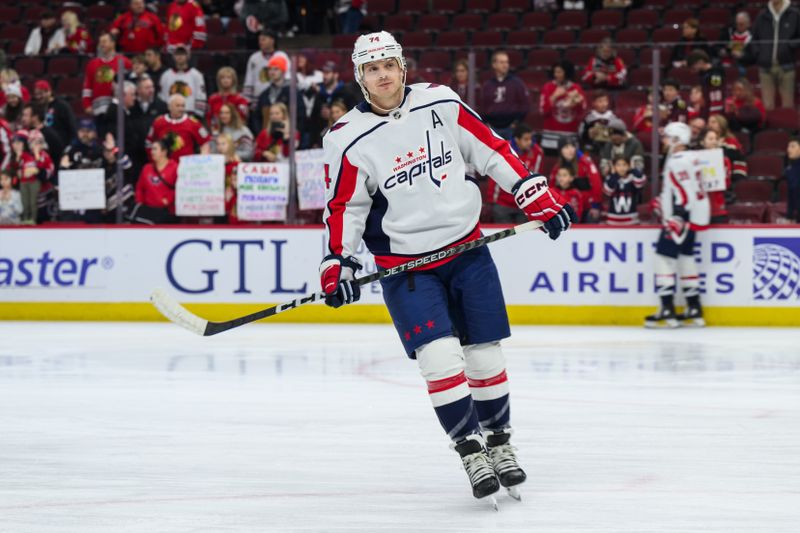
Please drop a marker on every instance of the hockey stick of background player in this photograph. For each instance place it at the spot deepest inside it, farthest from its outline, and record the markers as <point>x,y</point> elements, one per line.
<point>178,314</point>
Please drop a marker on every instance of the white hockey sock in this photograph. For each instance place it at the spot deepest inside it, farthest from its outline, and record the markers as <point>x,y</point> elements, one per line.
<point>666,269</point>
<point>690,278</point>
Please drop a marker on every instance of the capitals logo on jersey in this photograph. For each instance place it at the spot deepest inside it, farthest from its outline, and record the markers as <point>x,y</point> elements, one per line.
<point>414,163</point>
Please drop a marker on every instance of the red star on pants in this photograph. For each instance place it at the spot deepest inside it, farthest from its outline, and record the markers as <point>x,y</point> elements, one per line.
<point>407,335</point>
<point>430,324</point>
<point>417,330</point>
<point>397,159</point>
<point>410,154</point>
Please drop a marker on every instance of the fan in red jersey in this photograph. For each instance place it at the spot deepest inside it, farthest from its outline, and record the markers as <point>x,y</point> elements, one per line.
<point>101,73</point>
<point>186,25</point>
<point>184,133</point>
<point>137,30</point>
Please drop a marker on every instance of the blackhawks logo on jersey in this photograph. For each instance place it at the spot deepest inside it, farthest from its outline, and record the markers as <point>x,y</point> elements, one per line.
<point>180,87</point>
<point>716,80</point>
<point>263,75</point>
<point>104,74</point>
<point>175,142</point>
<point>175,22</point>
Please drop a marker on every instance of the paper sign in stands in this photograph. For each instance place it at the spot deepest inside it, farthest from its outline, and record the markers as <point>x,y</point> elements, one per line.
<point>81,189</point>
<point>712,164</point>
<point>310,178</point>
<point>200,190</point>
<point>262,191</point>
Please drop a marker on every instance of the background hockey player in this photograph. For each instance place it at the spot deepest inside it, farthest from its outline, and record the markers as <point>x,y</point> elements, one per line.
<point>684,211</point>
<point>395,175</point>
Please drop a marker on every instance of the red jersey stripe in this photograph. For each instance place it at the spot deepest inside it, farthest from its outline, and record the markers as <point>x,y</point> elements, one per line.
<point>684,198</point>
<point>502,377</point>
<point>481,131</point>
<point>345,188</point>
<point>441,385</point>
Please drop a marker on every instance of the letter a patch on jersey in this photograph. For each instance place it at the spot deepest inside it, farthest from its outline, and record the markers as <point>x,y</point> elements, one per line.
<point>436,120</point>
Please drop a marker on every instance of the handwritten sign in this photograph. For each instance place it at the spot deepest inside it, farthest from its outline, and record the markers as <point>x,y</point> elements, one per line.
<point>200,190</point>
<point>81,189</point>
<point>711,163</point>
<point>262,191</point>
<point>310,178</point>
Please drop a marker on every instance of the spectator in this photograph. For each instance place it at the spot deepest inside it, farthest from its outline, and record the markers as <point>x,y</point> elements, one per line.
<point>623,186</point>
<point>138,68</point>
<point>712,81</point>
<point>333,113</point>
<point>12,110</point>
<point>792,175</point>
<point>77,39</point>
<point>46,38</point>
<point>260,15</point>
<point>738,38</point>
<point>220,9</point>
<point>730,144</point>
<point>186,26</point>
<point>709,140</point>
<point>562,104</point>
<point>98,83</point>
<point>504,98</point>
<point>26,172</point>
<point>676,108</point>
<point>331,87</point>
<point>133,134</point>
<point>155,68</point>
<point>10,201</point>
<point>185,80</point>
<point>230,124</point>
<point>155,188</point>
<point>276,91</point>
<point>9,76</point>
<point>227,91</point>
<point>743,109</point>
<point>697,103</point>
<point>605,69</point>
<point>351,13</point>
<point>504,208</point>
<point>776,32</point>
<point>691,40</point>
<point>137,29</point>
<point>309,81</point>
<point>225,146</point>
<point>621,144</point>
<point>593,131</point>
<point>46,206</point>
<point>83,151</point>
<point>185,134</point>
<point>460,81</point>
<point>34,116</point>
<point>58,113</point>
<point>413,74</point>
<point>6,133</point>
<point>257,78</point>
<point>145,110</point>
<point>115,198</point>
<point>565,184</point>
<point>307,75</point>
<point>272,143</point>
<point>586,176</point>
<point>697,125</point>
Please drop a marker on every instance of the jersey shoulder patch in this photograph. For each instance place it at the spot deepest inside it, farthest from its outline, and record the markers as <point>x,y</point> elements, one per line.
<point>339,125</point>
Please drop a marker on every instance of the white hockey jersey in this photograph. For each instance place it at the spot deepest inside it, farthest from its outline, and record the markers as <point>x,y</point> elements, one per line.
<point>400,181</point>
<point>683,187</point>
<point>256,78</point>
<point>190,84</point>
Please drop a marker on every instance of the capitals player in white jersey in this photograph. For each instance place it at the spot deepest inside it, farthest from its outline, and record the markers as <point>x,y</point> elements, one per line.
<point>396,176</point>
<point>685,210</point>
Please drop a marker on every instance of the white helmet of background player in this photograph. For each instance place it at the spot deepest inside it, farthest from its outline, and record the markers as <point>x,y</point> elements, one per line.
<point>372,47</point>
<point>678,133</point>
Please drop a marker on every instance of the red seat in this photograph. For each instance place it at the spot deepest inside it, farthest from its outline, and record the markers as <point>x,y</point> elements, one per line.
<point>558,37</point>
<point>452,38</point>
<point>646,56</point>
<point>579,56</point>
<point>410,7</point>
<point>788,119</point>
<point>659,5</point>
<point>221,42</point>
<point>642,18</point>
<point>533,78</point>
<point>480,6</point>
<point>631,35</point>
<point>382,7</point>
<point>435,59</point>
<point>640,77</point>
<point>502,21</point>
<point>771,141</point>
<point>418,39</point>
<point>769,166</point>
<point>676,16</point>
<point>627,55</point>
<point>446,6</point>
<point>235,27</point>
<point>214,26</point>
<point>522,38</point>
<point>29,66</point>
<point>747,213</point>
<point>536,20</point>
<point>11,13</point>
<point>607,19</point>
<point>715,16</point>
<point>71,86</point>
<point>593,36</point>
<point>481,59</point>
<point>33,14</point>
<point>515,59</point>
<point>744,140</point>
<point>467,21</point>
<point>543,58</point>
<point>64,65</point>
<point>684,76</point>
<point>344,41</point>
<point>571,20</point>
<point>487,39</point>
<point>666,35</point>
<point>15,33</point>
<point>433,23</point>
<point>514,6</point>
<point>753,190</point>
<point>101,12</point>
<point>629,99</point>
<point>398,23</point>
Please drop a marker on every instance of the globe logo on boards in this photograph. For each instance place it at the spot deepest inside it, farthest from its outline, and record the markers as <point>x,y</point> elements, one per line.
<point>776,269</point>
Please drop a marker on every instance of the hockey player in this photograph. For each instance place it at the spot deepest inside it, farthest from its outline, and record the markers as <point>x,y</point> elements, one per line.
<point>684,211</point>
<point>395,175</point>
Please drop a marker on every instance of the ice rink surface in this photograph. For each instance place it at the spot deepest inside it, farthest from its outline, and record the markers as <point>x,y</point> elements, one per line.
<point>285,428</point>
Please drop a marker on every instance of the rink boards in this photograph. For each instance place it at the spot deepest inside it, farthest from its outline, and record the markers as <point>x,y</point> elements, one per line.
<point>592,275</point>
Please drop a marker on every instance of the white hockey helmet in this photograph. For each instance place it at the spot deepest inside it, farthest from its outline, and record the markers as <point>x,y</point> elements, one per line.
<point>372,47</point>
<point>678,133</point>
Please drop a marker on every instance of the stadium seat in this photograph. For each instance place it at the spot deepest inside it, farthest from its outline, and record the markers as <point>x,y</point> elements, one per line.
<point>29,66</point>
<point>467,21</point>
<point>214,26</point>
<point>659,5</point>
<point>514,6</point>
<point>70,86</point>
<point>788,119</point>
<point>571,20</point>
<point>684,75</point>
<point>221,42</point>
<point>410,7</point>
<point>533,78</point>
<point>558,37</point>
<point>480,6</point>
<point>344,41</point>
<point>768,166</point>
<point>33,14</point>
<point>747,213</point>
<point>744,139</point>
<point>16,33</point>
<point>536,20</point>
<point>771,141</point>
<point>452,39</point>
<point>516,59</point>
<point>481,59</point>
<point>16,48</point>
<point>487,39</point>
<point>676,16</point>
<point>522,38</point>
<point>592,36</point>
<point>435,59</point>
<point>10,13</point>
<point>448,6</point>
<point>543,58</point>
<point>63,65</point>
<point>607,19</point>
<point>627,55</point>
<point>715,16</point>
<point>642,19</point>
<point>417,39</point>
<point>382,7</point>
<point>579,56</point>
<point>640,77</point>
<point>753,190</point>
<point>666,35</point>
<point>433,23</point>
<point>629,99</point>
<point>235,27</point>
<point>631,35</point>
<point>100,12</point>
<point>502,21</point>
<point>398,23</point>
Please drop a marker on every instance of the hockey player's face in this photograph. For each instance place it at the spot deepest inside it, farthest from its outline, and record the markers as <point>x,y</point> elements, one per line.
<point>383,78</point>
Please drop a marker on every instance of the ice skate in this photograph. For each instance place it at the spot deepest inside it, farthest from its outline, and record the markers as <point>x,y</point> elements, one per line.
<point>692,317</point>
<point>504,462</point>
<point>664,318</point>
<point>479,468</point>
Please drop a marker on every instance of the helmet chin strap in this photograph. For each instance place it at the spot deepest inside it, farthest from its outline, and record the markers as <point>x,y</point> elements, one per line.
<point>365,92</point>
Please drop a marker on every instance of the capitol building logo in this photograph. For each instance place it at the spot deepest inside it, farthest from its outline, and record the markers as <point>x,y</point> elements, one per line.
<point>776,269</point>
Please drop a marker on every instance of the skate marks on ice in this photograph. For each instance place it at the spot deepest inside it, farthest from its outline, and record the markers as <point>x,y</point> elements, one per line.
<point>143,427</point>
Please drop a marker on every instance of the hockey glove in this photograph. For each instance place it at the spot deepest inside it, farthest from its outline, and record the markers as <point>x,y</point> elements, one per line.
<point>336,275</point>
<point>676,228</point>
<point>540,202</point>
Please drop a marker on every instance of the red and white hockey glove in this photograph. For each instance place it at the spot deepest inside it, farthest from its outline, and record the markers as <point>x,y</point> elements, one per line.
<point>336,275</point>
<point>676,228</point>
<point>655,205</point>
<point>540,202</point>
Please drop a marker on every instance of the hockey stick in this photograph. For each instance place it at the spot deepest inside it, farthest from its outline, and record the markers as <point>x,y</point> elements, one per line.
<point>178,314</point>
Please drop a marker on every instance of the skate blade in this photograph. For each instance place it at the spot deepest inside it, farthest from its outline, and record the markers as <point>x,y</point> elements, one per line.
<point>669,323</point>
<point>493,502</point>
<point>693,323</point>
<point>514,493</point>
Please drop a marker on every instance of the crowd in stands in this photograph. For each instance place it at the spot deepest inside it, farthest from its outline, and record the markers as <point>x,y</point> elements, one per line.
<point>569,125</point>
